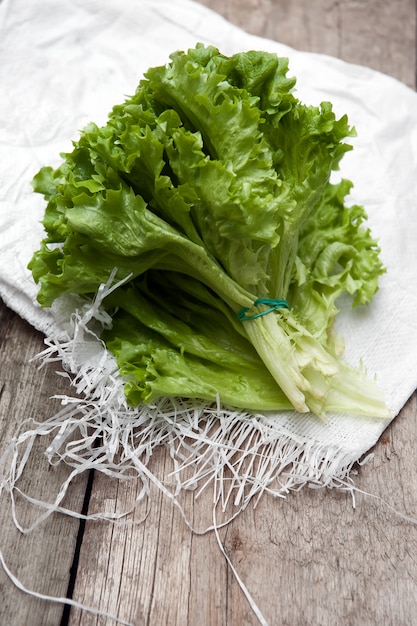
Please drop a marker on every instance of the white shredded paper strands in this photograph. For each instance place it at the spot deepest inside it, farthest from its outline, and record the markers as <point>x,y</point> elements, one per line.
<point>243,454</point>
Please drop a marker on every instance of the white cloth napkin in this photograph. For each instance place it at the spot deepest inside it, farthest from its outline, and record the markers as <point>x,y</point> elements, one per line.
<point>63,64</point>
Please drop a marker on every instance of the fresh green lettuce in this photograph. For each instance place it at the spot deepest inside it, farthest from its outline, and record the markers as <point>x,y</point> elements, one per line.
<point>208,190</point>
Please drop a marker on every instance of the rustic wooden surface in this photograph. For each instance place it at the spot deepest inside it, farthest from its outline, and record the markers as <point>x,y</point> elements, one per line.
<point>309,559</point>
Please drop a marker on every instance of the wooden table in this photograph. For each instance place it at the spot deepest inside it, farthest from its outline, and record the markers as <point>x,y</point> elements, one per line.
<point>309,559</point>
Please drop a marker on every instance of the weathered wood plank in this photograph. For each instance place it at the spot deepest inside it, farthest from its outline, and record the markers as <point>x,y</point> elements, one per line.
<point>313,558</point>
<point>375,33</point>
<point>146,573</point>
<point>41,560</point>
<point>379,34</point>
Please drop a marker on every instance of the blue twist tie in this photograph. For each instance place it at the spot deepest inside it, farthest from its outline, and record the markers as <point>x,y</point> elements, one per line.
<point>271,303</point>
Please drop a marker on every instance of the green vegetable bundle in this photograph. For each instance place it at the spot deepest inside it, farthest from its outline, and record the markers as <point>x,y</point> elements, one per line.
<point>209,190</point>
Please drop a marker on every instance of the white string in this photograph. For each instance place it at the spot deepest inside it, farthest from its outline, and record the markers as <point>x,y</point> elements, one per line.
<point>347,486</point>
<point>240,582</point>
<point>69,601</point>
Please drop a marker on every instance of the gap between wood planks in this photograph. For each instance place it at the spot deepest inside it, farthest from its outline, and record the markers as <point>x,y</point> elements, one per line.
<point>77,551</point>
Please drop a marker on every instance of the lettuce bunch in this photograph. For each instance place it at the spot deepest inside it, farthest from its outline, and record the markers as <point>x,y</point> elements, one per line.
<point>209,190</point>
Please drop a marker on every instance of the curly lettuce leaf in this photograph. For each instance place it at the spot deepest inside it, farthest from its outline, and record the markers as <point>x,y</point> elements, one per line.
<point>174,337</point>
<point>214,171</point>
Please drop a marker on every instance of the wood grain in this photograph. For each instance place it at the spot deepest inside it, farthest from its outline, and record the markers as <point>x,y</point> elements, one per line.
<point>309,559</point>
<point>42,559</point>
<point>375,33</point>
